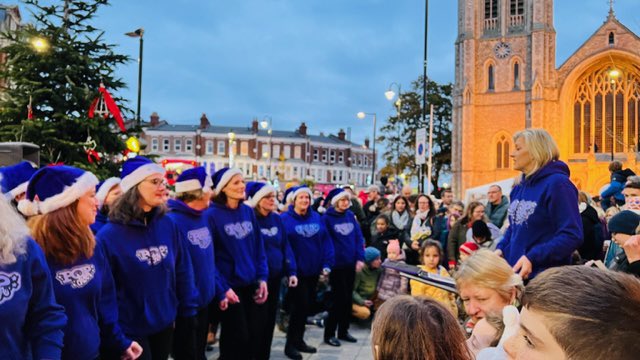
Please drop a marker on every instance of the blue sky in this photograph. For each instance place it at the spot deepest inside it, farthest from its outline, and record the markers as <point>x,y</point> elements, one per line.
<point>317,61</point>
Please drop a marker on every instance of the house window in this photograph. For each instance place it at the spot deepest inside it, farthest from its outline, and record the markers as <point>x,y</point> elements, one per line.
<point>297,152</point>
<point>324,156</point>
<point>315,154</point>
<point>260,170</point>
<point>341,157</point>
<point>332,156</point>
<point>276,151</point>
<point>490,79</point>
<point>154,144</point>
<point>165,145</point>
<point>612,38</point>
<point>220,147</point>
<point>287,151</point>
<point>502,153</point>
<point>516,76</point>
<point>209,147</point>
<point>188,145</point>
<point>177,145</point>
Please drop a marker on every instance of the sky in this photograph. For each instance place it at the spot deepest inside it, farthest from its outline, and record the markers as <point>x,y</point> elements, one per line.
<point>313,61</point>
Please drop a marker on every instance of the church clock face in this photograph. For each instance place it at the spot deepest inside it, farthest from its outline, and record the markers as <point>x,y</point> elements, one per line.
<point>502,50</point>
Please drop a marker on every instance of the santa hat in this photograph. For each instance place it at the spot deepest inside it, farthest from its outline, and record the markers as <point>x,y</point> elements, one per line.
<point>222,177</point>
<point>334,196</point>
<point>255,191</point>
<point>294,191</point>
<point>137,169</point>
<point>55,187</point>
<point>289,191</point>
<point>15,178</point>
<point>194,179</point>
<point>103,188</point>
<point>468,248</point>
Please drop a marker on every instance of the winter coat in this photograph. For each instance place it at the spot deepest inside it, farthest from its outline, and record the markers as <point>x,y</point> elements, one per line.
<point>444,297</point>
<point>32,322</point>
<point>365,284</point>
<point>391,283</point>
<point>593,239</point>
<point>87,292</point>
<point>240,255</point>
<point>381,240</point>
<point>199,245</point>
<point>618,179</point>
<point>344,231</point>
<point>309,240</point>
<point>545,224</point>
<point>280,258</point>
<point>497,213</point>
<point>152,272</point>
<point>457,237</point>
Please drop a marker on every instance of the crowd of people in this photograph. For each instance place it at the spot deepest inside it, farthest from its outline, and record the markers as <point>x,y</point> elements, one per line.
<point>126,269</point>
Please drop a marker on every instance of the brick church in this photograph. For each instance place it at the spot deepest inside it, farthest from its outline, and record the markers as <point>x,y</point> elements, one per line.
<point>507,79</point>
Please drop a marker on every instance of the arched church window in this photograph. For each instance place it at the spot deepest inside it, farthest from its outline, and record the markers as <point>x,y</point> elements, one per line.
<point>502,153</point>
<point>605,111</point>
<point>491,85</point>
<point>516,76</point>
<point>490,14</point>
<point>612,38</point>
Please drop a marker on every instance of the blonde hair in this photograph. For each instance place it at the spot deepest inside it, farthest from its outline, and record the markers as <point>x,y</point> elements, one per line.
<point>541,146</point>
<point>13,234</point>
<point>486,269</point>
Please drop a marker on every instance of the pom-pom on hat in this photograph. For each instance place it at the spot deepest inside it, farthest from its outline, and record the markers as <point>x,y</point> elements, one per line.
<point>370,254</point>
<point>624,222</point>
<point>55,187</point>
<point>194,179</point>
<point>103,188</point>
<point>15,178</point>
<point>222,177</point>
<point>334,196</point>
<point>255,191</point>
<point>469,248</point>
<point>137,169</point>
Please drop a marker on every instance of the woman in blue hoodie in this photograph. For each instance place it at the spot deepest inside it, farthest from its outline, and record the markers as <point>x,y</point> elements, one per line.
<point>31,322</point>
<point>313,252</point>
<point>149,262</point>
<point>193,192</point>
<point>62,205</point>
<point>242,263</point>
<point>545,226</point>
<point>262,197</point>
<point>348,244</point>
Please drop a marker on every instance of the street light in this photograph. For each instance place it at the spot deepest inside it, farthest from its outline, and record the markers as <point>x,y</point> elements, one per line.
<point>198,146</point>
<point>232,137</point>
<point>268,125</point>
<point>390,94</point>
<point>138,34</point>
<point>362,115</point>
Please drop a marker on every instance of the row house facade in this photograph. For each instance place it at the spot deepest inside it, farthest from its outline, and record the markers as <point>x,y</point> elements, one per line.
<point>262,153</point>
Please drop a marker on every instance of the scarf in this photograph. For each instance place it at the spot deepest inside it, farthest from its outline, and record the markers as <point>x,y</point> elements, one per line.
<point>400,221</point>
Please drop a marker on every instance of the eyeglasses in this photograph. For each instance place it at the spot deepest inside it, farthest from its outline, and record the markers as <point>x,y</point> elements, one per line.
<point>157,182</point>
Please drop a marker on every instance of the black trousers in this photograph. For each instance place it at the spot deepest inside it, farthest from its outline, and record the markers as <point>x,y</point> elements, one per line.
<point>299,300</point>
<point>341,281</point>
<point>271,308</point>
<point>242,326</point>
<point>198,346</point>
<point>156,346</point>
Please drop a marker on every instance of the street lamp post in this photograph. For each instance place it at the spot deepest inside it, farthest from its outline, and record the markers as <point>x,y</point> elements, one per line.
<point>198,146</point>
<point>390,95</point>
<point>424,83</point>
<point>269,126</point>
<point>138,34</point>
<point>232,137</point>
<point>362,115</point>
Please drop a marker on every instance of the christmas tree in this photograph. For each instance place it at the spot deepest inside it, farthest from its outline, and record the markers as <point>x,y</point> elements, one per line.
<point>52,74</point>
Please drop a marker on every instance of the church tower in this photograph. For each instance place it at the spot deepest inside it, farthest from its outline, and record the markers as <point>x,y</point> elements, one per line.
<point>505,81</point>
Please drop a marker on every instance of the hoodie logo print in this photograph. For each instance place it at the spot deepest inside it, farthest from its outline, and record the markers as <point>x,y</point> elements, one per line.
<point>153,255</point>
<point>239,230</point>
<point>343,229</point>
<point>77,276</point>
<point>520,210</point>
<point>10,283</point>
<point>270,232</point>
<point>307,230</point>
<point>200,237</point>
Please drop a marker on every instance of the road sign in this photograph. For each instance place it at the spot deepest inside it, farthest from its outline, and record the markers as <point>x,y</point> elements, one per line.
<point>421,146</point>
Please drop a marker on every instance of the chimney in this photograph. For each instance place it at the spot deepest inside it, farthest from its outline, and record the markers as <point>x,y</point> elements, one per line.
<point>155,119</point>
<point>204,122</point>
<point>366,142</point>
<point>254,126</point>
<point>341,135</point>
<point>302,130</point>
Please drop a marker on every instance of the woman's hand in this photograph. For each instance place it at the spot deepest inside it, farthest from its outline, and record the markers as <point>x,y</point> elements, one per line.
<point>231,296</point>
<point>415,245</point>
<point>523,267</point>
<point>632,248</point>
<point>224,304</point>
<point>133,352</point>
<point>261,294</point>
<point>293,281</point>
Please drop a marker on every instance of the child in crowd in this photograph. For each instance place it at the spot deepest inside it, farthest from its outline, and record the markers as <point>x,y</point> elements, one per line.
<point>391,283</point>
<point>382,235</point>
<point>466,250</point>
<point>481,234</point>
<point>364,288</point>
<point>430,255</point>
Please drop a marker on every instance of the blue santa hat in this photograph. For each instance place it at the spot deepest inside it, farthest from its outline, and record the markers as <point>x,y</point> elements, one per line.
<point>15,178</point>
<point>255,191</point>
<point>55,187</point>
<point>103,188</point>
<point>222,177</point>
<point>293,192</point>
<point>137,169</point>
<point>194,179</point>
<point>334,196</point>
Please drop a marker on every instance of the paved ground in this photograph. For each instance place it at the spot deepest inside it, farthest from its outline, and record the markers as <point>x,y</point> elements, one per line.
<point>313,336</point>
